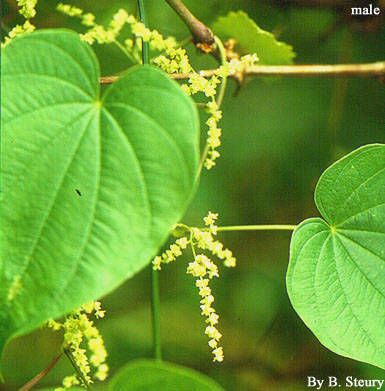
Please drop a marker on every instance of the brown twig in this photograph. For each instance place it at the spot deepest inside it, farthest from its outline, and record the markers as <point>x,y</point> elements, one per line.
<point>376,69</point>
<point>42,374</point>
<point>200,32</point>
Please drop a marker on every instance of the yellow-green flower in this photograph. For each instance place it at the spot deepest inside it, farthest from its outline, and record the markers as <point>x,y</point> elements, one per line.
<point>27,8</point>
<point>84,343</point>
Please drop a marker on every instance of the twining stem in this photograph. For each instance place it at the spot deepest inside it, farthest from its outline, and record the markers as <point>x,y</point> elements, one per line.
<point>257,227</point>
<point>143,19</point>
<point>200,32</point>
<point>192,246</point>
<point>71,359</point>
<point>155,313</point>
<point>262,227</point>
<point>223,58</point>
<point>375,69</point>
<point>202,160</point>
<point>155,295</point>
<point>43,373</point>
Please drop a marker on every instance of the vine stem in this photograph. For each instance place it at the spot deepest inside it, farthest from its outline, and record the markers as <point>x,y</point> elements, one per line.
<point>28,386</point>
<point>143,19</point>
<point>375,69</point>
<point>155,312</point>
<point>192,246</point>
<point>223,58</point>
<point>262,227</point>
<point>202,160</point>
<point>155,294</point>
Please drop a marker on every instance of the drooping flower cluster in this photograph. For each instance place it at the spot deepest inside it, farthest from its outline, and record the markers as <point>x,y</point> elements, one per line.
<point>171,254</point>
<point>132,46</point>
<point>96,33</point>
<point>27,8</point>
<point>176,60</point>
<point>203,269</point>
<point>205,240</point>
<point>84,344</point>
<point>208,86</point>
<point>214,133</point>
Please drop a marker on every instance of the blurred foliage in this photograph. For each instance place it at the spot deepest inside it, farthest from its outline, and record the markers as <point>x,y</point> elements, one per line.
<point>278,137</point>
<point>250,38</point>
<point>142,375</point>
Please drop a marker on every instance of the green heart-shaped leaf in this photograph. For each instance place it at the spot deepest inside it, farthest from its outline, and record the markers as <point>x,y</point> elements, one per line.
<point>150,375</point>
<point>91,185</point>
<point>336,276</point>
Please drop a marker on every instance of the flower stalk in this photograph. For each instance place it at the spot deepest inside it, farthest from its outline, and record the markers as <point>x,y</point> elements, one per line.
<point>155,294</point>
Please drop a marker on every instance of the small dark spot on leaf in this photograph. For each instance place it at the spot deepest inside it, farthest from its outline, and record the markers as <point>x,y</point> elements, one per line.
<point>78,192</point>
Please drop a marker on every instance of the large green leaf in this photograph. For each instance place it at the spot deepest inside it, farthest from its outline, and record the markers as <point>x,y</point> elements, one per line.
<point>250,38</point>
<point>336,276</point>
<point>150,375</point>
<point>91,185</point>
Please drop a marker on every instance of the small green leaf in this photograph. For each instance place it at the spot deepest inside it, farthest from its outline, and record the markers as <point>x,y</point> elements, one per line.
<point>91,185</point>
<point>150,375</point>
<point>250,38</point>
<point>336,275</point>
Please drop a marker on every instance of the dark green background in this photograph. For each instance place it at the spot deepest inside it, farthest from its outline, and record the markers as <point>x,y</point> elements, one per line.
<point>279,135</point>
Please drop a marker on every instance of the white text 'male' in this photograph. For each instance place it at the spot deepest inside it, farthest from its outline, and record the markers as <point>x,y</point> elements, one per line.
<point>366,11</point>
